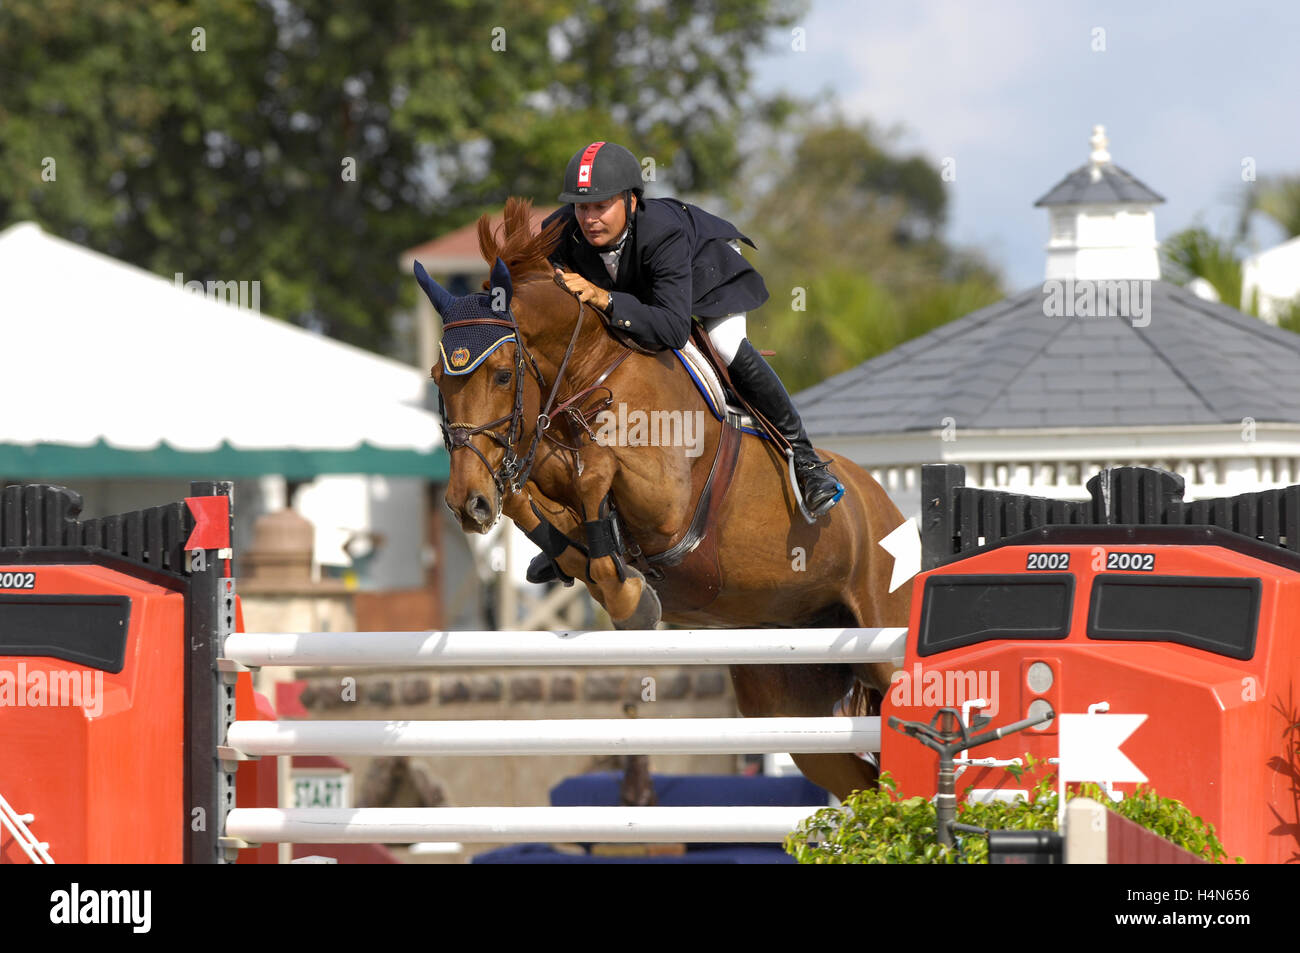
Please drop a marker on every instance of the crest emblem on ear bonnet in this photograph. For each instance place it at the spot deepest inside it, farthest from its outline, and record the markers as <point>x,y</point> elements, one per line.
<point>470,333</point>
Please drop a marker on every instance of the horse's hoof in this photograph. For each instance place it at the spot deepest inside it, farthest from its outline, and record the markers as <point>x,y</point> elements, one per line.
<point>543,570</point>
<point>648,611</point>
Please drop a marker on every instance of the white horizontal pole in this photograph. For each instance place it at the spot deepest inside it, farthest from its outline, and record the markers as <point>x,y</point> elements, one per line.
<point>553,737</point>
<point>631,647</point>
<point>501,825</point>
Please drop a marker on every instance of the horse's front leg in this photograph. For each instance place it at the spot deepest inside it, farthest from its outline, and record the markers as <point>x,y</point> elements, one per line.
<point>620,589</point>
<point>531,510</point>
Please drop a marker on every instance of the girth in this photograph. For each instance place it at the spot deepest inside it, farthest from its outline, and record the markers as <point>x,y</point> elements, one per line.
<point>696,577</point>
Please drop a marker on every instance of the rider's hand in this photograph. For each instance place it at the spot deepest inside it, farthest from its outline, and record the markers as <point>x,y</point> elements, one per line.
<point>584,289</point>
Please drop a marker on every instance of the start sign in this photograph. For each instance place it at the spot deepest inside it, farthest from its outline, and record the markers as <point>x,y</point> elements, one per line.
<point>322,789</point>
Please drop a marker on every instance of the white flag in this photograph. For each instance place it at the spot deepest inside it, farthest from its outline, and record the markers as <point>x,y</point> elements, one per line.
<point>1090,748</point>
<point>904,544</point>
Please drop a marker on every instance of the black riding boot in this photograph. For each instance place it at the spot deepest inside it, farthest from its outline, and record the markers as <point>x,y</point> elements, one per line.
<point>759,385</point>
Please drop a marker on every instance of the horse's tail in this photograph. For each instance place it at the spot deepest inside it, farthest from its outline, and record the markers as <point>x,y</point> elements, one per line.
<point>861,700</point>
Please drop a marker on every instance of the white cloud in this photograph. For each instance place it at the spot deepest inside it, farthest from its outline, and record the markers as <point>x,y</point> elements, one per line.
<point>948,71</point>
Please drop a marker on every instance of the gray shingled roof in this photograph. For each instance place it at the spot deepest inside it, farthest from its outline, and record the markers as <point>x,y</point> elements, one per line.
<point>1009,365</point>
<point>1112,185</point>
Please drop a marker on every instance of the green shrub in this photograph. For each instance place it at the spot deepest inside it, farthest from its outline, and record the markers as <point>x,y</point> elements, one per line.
<point>877,827</point>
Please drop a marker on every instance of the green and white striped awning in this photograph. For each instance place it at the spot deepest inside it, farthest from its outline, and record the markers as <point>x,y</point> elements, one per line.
<point>102,461</point>
<point>110,371</point>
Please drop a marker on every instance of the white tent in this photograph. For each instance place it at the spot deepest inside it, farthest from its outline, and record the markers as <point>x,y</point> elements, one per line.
<point>113,371</point>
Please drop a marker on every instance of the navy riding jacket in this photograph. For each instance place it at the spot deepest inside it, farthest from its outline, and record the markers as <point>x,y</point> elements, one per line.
<point>676,262</point>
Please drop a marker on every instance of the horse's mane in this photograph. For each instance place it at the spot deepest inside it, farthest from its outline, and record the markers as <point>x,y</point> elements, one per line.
<point>525,253</point>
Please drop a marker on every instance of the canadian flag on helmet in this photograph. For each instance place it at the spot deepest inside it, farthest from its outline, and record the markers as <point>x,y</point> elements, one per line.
<point>585,163</point>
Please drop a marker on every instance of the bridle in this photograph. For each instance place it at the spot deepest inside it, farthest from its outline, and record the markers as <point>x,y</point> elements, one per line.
<point>514,471</point>
<point>457,435</point>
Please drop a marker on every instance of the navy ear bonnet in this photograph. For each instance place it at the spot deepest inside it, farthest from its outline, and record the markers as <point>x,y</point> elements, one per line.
<point>475,325</point>
<point>466,347</point>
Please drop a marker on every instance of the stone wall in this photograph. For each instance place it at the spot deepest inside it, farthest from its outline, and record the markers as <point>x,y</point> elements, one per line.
<point>509,694</point>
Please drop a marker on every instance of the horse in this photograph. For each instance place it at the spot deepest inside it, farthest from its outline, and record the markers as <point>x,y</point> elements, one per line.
<point>521,396</point>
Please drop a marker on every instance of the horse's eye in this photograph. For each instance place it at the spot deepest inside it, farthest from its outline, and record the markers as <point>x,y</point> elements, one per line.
<point>502,377</point>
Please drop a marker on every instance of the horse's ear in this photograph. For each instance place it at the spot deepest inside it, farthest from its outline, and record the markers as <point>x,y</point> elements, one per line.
<point>438,295</point>
<point>501,279</point>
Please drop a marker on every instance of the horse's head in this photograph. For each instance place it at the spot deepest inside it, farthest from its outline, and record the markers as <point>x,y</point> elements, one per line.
<point>480,376</point>
<point>495,356</point>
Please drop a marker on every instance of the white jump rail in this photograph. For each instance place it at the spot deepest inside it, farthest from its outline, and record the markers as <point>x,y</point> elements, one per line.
<point>834,734</point>
<point>629,647</point>
<point>822,735</point>
<point>508,825</point>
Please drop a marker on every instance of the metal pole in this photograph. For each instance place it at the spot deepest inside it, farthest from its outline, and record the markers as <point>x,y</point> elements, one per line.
<point>209,618</point>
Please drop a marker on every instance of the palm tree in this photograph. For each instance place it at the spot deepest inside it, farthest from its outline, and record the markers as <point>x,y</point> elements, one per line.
<point>1195,253</point>
<point>1278,197</point>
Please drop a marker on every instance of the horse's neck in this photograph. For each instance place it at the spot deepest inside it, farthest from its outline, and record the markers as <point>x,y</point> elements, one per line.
<point>592,352</point>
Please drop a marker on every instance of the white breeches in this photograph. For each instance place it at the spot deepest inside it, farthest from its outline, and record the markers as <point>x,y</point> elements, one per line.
<point>726,333</point>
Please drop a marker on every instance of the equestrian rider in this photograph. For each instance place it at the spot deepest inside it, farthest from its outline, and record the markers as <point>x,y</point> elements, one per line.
<point>649,264</point>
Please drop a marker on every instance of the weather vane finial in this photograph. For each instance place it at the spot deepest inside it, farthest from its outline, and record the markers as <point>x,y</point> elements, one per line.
<point>1099,142</point>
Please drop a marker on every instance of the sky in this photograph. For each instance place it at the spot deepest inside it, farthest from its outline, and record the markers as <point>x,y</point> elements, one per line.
<point>1011,90</point>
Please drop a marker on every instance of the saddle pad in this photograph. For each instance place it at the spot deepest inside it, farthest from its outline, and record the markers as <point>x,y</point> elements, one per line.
<point>707,383</point>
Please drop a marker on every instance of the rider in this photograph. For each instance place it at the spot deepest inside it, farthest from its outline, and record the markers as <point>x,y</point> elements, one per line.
<point>649,264</point>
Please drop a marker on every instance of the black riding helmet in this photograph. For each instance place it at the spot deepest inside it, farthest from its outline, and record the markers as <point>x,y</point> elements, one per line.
<point>600,171</point>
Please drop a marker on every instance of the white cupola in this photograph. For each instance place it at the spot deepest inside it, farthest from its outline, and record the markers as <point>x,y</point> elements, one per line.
<point>1103,222</point>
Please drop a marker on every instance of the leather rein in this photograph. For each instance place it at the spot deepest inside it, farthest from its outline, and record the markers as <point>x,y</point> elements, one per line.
<point>514,472</point>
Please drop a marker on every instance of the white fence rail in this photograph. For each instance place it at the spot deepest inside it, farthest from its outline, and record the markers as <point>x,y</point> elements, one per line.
<point>559,736</point>
<point>505,825</point>
<point>631,647</point>
<point>826,735</point>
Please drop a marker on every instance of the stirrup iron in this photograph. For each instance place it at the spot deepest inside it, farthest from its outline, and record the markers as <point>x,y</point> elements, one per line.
<point>798,494</point>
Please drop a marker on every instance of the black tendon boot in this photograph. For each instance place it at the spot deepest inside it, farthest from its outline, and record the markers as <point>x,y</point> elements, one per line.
<point>759,385</point>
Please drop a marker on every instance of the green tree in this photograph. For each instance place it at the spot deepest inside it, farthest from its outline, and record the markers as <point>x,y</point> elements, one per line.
<point>850,244</point>
<point>304,143</point>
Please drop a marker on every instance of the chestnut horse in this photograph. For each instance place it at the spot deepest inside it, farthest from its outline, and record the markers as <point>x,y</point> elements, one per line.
<point>772,568</point>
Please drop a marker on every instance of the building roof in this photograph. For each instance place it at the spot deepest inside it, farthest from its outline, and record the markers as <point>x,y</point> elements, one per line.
<point>1009,365</point>
<point>1103,184</point>
<point>115,371</point>
<point>458,251</point>
<point>1099,181</point>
